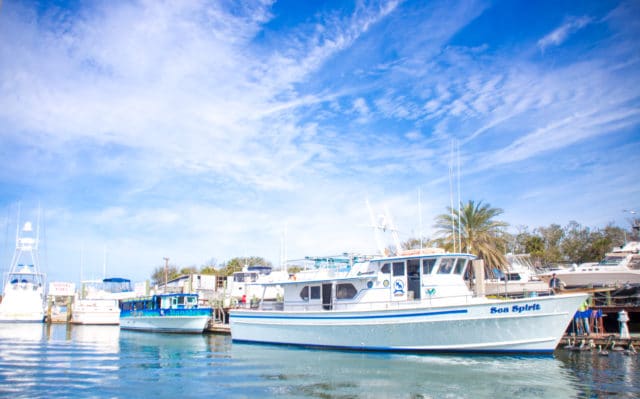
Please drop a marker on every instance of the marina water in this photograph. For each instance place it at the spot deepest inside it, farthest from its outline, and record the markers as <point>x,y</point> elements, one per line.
<point>67,361</point>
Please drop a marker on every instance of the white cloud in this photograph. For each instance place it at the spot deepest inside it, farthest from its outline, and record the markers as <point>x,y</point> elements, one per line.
<point>561,33</point>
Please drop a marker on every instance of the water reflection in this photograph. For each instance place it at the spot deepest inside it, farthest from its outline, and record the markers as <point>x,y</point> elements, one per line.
<point>595,375</point>
<point>102,361</point>
<point>330,373</point>
<point>11,332</point>
<point>105,339</point>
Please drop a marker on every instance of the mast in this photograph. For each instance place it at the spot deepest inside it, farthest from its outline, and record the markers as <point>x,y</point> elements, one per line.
<point>459,200</point>
<point>453,230</point>
<point>420,215</point>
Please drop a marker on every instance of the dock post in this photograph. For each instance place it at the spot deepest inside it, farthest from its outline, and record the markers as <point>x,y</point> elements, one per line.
<point>623,318</point>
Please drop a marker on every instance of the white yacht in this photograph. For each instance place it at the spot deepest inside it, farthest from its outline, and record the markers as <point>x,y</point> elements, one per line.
<point>410,302</point>
<point>520,279</point>
<point>23,298</point>
<point>246,285</point>
<point>619,267</point>
<point>98,301</point>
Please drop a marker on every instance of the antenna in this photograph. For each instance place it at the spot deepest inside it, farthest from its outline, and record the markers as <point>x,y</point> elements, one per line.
<point>420,214</point>
<point>459,199</point>
<point>18,226</point>
<point>104,262</point>
<point>453,230</point>
<point>393,229</point>
<point>375,227</point>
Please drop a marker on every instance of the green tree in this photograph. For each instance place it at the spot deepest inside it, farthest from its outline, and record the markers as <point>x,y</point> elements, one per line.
<point>552,237</point>
<point>236,264</point>
<point>157,277</point>
<point>575,243</point>
<point>479,233</point>
<point>209,267</point>
<point>415,243</point>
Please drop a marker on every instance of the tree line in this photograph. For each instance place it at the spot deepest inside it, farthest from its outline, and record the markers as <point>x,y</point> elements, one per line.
<point>475,229</point>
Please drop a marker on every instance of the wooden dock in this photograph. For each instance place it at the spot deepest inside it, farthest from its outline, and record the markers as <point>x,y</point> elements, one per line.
<point>218,328</point>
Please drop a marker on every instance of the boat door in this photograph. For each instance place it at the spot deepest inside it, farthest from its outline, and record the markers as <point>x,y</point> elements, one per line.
<point>327,290</point>
<point>413,279</point>
<point>398,281</point>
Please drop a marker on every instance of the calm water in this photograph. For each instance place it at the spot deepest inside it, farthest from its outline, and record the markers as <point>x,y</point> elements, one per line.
<point>102,361</point>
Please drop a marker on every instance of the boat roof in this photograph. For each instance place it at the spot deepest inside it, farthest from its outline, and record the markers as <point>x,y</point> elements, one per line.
<point>116,280</point>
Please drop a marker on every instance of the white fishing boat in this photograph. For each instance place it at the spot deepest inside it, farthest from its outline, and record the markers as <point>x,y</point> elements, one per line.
<point>246,285</point>
<point>618,268</point>
<point>24,286</point>
<point>176,313</point>
<point>418,302</point>
<point>520,279</point>
<point>97,302</point>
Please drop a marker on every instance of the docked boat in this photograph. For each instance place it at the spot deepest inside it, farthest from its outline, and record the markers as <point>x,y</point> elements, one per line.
<point>23,297</point>
<point>418,302</point>
<point>176,313</point>
<point>246,285</point>
<point>97,302</point>
<point>520,279</point>
<point>618,268</point>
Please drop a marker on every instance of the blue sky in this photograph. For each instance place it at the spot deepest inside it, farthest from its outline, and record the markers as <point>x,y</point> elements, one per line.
<point>196,130</point>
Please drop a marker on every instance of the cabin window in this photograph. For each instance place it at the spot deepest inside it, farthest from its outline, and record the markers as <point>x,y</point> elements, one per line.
<point>460,265</point>
<point>446,265</point>
<point>304,293</point>
<point>413,267</point>
<point>427,265</point>
<point>345,291</point>
<point>398,268</point>
<point>386,268</point>
<point>315,292</point>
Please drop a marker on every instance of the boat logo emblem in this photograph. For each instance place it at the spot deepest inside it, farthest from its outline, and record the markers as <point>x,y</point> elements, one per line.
<point>398,287</point>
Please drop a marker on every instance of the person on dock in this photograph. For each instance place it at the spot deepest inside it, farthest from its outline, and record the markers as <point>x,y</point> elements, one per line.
<point>243,300</point>
<point>584,317</point>
<point>555,284</point>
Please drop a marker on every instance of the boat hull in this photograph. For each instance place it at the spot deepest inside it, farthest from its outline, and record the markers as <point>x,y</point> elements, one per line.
<point>595,279</point>
<point>22,304</point>
<point>98,312</point>
<point>533,325</point>
<point>175,324</point>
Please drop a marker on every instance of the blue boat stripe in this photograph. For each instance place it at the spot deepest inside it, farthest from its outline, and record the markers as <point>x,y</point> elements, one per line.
<point>391,316</point>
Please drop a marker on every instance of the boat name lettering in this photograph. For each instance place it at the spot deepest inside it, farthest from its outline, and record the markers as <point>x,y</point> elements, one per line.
<point>516,308</point>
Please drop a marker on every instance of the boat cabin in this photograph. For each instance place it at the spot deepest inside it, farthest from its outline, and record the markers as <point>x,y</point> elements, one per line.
<point>160,302</point>
<point>381,283</point>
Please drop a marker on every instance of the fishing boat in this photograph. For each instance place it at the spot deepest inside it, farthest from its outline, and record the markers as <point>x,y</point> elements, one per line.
<point>97,302</point>
<point>246,285</point>
<point>176,313</point>
<point>618,268</point>
<point>410,302</point>
<point>24,287</point>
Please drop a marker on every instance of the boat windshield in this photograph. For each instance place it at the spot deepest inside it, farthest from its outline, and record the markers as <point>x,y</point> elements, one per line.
<point>245,277</point>
<point>612,260</point>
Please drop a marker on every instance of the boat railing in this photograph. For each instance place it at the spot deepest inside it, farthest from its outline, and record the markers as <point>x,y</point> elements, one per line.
<point>453,300</point>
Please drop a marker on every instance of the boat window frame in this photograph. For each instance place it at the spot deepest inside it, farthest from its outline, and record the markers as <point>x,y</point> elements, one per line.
<point>346,291</point>
<point>385,268</point>
<point>428,265</point>
<point>399,268</point>
<point>460,266</point>
<point>304,293</point>
<point>446,265</point>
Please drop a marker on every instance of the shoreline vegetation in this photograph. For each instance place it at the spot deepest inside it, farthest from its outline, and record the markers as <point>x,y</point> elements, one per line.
<point>474,228</point>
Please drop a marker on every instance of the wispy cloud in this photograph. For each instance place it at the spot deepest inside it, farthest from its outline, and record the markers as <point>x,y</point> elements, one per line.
<point>561,33</point>
<point>202,129</point>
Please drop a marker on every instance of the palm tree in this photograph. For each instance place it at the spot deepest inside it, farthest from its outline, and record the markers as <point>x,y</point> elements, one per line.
<point>479,233</point>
